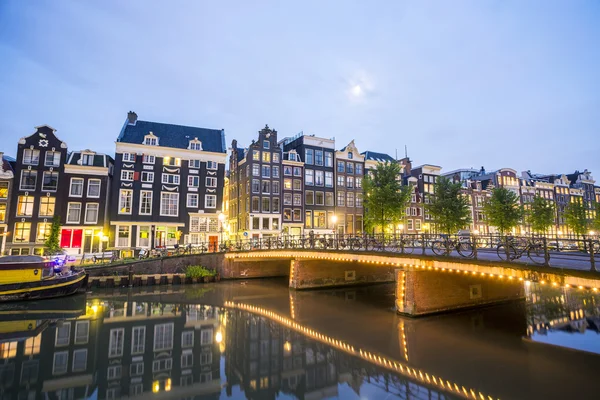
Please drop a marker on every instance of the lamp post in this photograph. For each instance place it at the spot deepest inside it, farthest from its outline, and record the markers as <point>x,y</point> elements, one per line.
<point>221,221</point>
<point>334,219</point>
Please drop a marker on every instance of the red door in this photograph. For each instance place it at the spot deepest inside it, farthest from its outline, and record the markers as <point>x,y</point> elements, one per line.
<point>65,238</point>
<point>77,236</point>
<point>213,243</point>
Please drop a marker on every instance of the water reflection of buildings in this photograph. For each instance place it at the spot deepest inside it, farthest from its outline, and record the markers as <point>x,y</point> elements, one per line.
<point>555,308</point>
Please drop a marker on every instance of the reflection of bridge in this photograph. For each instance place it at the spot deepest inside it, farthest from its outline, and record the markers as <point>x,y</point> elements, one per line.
<point>425,285</point>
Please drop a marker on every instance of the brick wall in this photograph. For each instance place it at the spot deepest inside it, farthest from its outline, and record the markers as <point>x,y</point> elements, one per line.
<point>308,274</point>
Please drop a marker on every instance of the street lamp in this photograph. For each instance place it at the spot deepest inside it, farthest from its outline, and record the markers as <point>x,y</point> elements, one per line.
<point>221,220</point>
<point>334,219</point>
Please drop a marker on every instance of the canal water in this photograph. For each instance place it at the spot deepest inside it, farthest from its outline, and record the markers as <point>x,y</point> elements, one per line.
<point>259,340</point>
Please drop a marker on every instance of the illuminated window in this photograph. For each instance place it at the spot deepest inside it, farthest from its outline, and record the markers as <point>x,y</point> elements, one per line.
<point>9,350</point>
<point>25,206</point>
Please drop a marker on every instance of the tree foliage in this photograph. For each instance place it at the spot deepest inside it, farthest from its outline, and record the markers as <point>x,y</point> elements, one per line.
<point>541,214</point>
<point>596,219</point>
<point>576,217</point>
<point>503,209</point>
<point>52,242</point>
<point>448,208</point>
<point>385,196</point>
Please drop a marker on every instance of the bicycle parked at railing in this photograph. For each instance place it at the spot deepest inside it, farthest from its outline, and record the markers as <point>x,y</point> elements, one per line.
<point>514,248</point>
<point>446,245</point>
<point>404,245</point>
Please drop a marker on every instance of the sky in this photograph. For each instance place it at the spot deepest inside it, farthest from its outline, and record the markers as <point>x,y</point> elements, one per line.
<point>460,83</point>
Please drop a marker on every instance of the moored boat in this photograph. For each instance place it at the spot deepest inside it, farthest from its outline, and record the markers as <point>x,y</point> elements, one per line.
<point>33,277</point>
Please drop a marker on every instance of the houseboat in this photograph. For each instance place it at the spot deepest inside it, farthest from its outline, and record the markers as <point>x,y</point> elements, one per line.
<point>34,277</point>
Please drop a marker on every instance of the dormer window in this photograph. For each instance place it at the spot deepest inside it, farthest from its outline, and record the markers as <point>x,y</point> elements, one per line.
<point>151,139</point>
<point>350,155</point>
<point>195,144</point>
<point>266,144</point>
<point>87,159</point>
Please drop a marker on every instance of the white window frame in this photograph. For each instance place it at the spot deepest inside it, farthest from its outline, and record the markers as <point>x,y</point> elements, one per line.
<point>170,195</point>
<point>128,157</point>
<point>211,182</point>
<point>71,187</point>
<point>190,196</point>
<point>118,350</point>
<point>183,340</point>
<point>206,200</point>
<point>71,203</point>
<point>43,178</point>
<point>212,165</point>
<point>193,166</point>
<point>93,180</point>
<point>75,352</point>
<point>168,345</point>
<point>149,177</point>
<point>78,339</point>
<point>127,175</point>
<point>54,369</point>
<point>142,192</point>
<point>165,179</point>
<point>141,347</point>
<point>121,191</point>
<point>193,181</point>
<point>31,152</point>
<point>87,207</point>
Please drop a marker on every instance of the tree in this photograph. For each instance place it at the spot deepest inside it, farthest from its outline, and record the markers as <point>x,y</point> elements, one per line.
<point>541,214</point>
<point>52,242</point>
<point>503,209</point>
<point>596,219</point>
<point>385,197</point>
<point>576,217</point>
<point>448,208</point>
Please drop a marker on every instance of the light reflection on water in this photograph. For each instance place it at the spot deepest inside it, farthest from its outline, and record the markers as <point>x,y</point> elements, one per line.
<point>232,341</point>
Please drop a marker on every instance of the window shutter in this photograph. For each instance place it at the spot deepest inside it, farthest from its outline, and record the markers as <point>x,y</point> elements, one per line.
<point>136,176</point>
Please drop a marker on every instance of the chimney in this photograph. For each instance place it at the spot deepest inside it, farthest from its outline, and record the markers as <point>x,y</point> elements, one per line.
<point>131,118</point>
<point>482,171</point>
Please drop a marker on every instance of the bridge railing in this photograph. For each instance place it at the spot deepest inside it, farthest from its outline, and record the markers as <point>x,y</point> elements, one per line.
<point>533,250</point>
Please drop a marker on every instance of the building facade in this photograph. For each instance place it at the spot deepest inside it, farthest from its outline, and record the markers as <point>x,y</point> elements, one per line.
<point>39,178</point>
<point>293,193</point>
<point>85,211</point>
<point>168,185</point>
<point>349,173</point>
<point>6,182</point>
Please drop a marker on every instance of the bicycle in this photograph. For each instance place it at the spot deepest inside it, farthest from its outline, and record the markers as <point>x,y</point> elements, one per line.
<point>445,245</point>
<point>402,245</point>
<point>514,249</point>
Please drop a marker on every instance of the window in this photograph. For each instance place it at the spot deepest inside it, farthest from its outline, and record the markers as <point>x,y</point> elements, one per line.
<point>43,232</point>
<point>22,232</point>
<point>115,343</point>
<point>169,204</point>
<point>211,165</point>
<point>266,171</point>
<point>3,190</point>
<point>63,335</point>
<point>93,189</point>
<point>266,205</point>
<point>123,236</point>
<point>329,199</point>
<point>309,156</point>
<point>297,184</point>
<point>350,199</point>
<point>162,365</point>
<point>32,345</point>
<point>195,145</point>
<point>350,168</point>
<point>266,186</point>
<point>287,184</point>
<point>417,224</point>
<point>255,204</point>
<point>287,199</point>
<point>148,159</point>
<point>319,198</point>
<point>318,157</point>
<point>192,200</point>
<point>125,200</point>
<point>129,157</point>
<point>319,181</point>
<point>206,336</point>
<point>172,161</point>
<point>73,213</point>
<point>275,171</point>
<point>297,214</point>
<point>2,212</point>
<point>28,180</point>
<point>79,360</point>
<point>91,213</point>
<point>256,170</point>
<point>297,199</point>
<point>163,336</point>
<point>358,169</point>
<point>350,155</point>
<point>194,164</point>
<point>341,181</point>
<point>275,157</point>
<point>255,186</point>
<point>341,166</point>
<point>287,214</point>
<point>210,201</point>
<point>266,156</point>
<point>350,182</point>
<point>147,177</point>
<point>256,155</point>
<point>136,369</point>
<point>409,224</point>
<point>328,159</point>
<point>309,198</point>
<point>138,340</point>
<point>82,331</point>
<point>287,170</point>
<point>308,219</point>
<point>145,202</point>
<point>211,182</point>
<point>328,179</point>
<point>60,363</point>
<point>187,339</point>
<point>341,199</point>
<point>275,187</point>
<point>25,206</point>
<point>31,157</point>
<point>76,189</point>
<point>193,181</point>
<point>170,179</point>
<point>309,177</point>
<point>187,359</point>
<point>358,182</point>
<point>297,171</point>
<point>52,159</point>
<point>359,199</point>
<point>266,144</point>
<point>319,220</point>
<point>87,159</point>
<point>275,205</point>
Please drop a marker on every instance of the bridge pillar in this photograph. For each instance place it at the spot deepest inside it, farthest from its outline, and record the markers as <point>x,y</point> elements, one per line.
<point>312,274</point>
<point>428,292</point>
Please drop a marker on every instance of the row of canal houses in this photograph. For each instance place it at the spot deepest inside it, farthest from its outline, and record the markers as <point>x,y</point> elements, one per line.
<point>168,184</point>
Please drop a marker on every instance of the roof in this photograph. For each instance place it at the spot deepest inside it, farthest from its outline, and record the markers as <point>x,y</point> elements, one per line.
<point>5,164</point>
<point>100,160</point>
<point>241,153</point>
<point>175,136</point>
<point>381,157</point>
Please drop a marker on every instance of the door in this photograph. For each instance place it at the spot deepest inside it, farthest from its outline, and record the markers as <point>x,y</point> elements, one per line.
<point>213,243</point>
